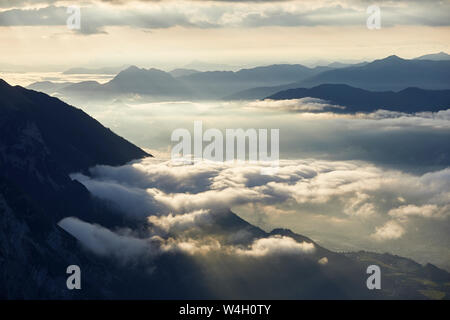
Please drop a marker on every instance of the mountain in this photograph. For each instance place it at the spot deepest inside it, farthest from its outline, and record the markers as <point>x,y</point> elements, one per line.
<point>181,83</point>
<point>337,65</point>
<point>82,88</point>
<point>105,70</point>
<point>74,139</point>
<point>434,56</point>
<point>176,73</point>
<point>359,100</point>
<point>147,82</point>
<point>48,86</point>
<point>391,73</point>
<point>217,84</point>
<point>133,80</point>
<point>259,92</point>
<point>42,141</point>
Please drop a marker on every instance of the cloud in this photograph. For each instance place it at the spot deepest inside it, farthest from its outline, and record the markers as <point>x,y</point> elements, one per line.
<point>292,105</point>
<point>323,261</point>
<point>426,211</point>
<point>276,245</point>
<point>391,230</point>
<point>220,14</point>
<point>104,242</point>
<point>127,248</point>
<point>343,190</point>
<point>181,222</point>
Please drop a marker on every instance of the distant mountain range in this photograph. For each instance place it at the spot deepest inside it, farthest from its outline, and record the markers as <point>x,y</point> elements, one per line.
<point>391,73</point>
<point>105,70</point>
<point>180,83</point>
<point>43,140</point>
<point>359,100</point>
<point>430,72</point>
<point>215,84</point>
<point>435,56</point>
<point>176,73</point>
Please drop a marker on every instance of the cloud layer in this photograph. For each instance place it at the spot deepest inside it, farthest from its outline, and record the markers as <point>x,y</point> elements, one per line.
<point>177,198</point>
<point>219,14</point>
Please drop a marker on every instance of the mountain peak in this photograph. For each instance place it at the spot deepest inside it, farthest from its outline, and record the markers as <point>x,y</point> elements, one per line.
<point>434,56</point>
<point>131,68</point>
<point>392,58</point>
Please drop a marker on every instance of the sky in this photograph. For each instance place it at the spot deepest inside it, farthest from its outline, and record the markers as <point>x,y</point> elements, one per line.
<point>34,35</point>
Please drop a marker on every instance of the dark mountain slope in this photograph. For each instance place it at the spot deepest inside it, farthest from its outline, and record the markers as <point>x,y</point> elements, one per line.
<point>42,140</point>
<point>72,138</point>
<point>359,100</point>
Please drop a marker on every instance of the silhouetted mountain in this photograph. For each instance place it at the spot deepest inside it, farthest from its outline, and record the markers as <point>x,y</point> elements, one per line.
<point>434,56</point>
<point>82,88</point>
<point>337,65</point>
<point>181,83</point>
<point>391,73</point>
<point>42,140</point>
<point>147,82</point>
<point>359,100</point>
<point>73,138</point>
<point>133,80</point>
<point>105,70</point>
<point>217,84</point>
<point>48,86</point>
<point>405,277</point>
<point>259,92</point>
<point>182,72</point>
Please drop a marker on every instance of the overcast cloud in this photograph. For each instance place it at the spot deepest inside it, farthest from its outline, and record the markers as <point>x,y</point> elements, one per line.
<point>219,14</point>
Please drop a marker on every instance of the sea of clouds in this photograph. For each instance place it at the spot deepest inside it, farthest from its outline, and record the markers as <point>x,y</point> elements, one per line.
<point>369,206</point>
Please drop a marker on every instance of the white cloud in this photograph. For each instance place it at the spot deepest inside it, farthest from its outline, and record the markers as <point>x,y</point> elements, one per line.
<point>128,248</point>
<point>426,211</point>
<point>391,230</point>
<point>323,261</point>
<point>104,242</point>
<point>180,222</point>
<point>293,105</point>
<point>180,195</point>
<point>276,245</point>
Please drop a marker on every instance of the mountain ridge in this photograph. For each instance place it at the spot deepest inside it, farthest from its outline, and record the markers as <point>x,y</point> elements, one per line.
<point>359,100</point>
